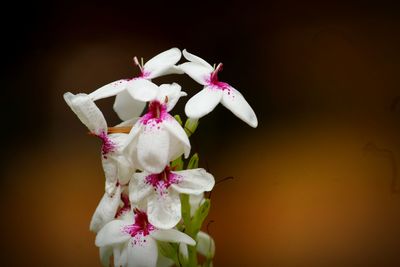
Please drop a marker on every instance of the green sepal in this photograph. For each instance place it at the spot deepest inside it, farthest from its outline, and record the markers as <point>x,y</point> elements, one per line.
<point>199,216</point>
<point>193,162</point>
<point>191,126</point>
<point>178,119</point>
<point>177,164</point>
<point>168,250</point>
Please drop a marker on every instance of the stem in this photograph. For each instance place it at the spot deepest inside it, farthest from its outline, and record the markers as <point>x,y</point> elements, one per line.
<point>192,260</point>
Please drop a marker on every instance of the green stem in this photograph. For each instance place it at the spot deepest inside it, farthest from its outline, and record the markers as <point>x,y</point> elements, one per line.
<point>192,252</point>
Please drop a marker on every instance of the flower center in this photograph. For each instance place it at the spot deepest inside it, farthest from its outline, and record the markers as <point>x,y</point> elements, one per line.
<point>156,112</point>
<point>126,205</point>
<point>108,145</point>
<point>162,181</point>
<point>213,80</point>
<point>143,73</point>
<point>141,226</point>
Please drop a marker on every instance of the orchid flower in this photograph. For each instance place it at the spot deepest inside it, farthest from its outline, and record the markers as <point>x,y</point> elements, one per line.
<point>131,94</point>
<point>214,92</point>
<point>157,138</point>
<point>161,192</point>
<point>117,168</point>
<point>133,240</point>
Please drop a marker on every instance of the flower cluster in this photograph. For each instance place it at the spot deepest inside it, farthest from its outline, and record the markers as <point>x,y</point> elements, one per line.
<point>153,207</point>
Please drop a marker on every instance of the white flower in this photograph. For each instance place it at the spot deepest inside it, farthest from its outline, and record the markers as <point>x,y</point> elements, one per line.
<point>110,207</point>
<point>133,240</point>
<point>205,245</point>
<point>214,92</point>
<point>157,138</point>
<point>131,94</point>
<point>117,168</point>
<point>161,192</point>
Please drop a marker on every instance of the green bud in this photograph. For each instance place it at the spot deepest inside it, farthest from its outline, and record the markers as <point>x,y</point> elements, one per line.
<point>191,126</point>
<point>193,162</point>
<point>178,119</point>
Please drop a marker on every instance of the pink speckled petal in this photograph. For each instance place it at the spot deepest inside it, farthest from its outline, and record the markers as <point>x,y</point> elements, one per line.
<point>182,145</point>
<point>153,148</point>
<point>144,254</point>
<point>111,234</point>
<point>139,189</point>
<point>203,102</point>
<point>106,210</point>
<point>196,59</point>
<point>234,101</point>
<point>108,90</point>
<point>127,107</point>
<point>162,63</point>
<point>142,90</point>
<point>195,181</point>
<point>87,111</point>
<point>172,235</point>
<point>164,210</point>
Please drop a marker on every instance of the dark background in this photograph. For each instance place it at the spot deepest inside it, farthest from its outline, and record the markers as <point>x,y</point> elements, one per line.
<point>321,76</point>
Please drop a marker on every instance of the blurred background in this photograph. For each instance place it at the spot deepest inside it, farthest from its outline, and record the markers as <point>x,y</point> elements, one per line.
<point>314,185</point>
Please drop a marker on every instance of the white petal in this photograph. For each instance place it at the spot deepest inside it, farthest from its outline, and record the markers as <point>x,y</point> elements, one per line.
<point>106,210</point>
<point>142,89</point>
<point>176,130</point>
<point>195,201</point>
<point>195,181</point>
<point>128,123</point>
<point>196,59</point>
<point>87,111</point>
<point>143,254</point>
<point>110,169</point>
<point>172,235</point>
<point>129,147</point>
<point>108,90</point>
<point>164,210</point>
<point>203,102</point>
<point>138,188</point>
<point>235,102</point>
<point>170,93</point>
<point>153,148</point>
<point>205,245</point>
<point>112,234</point>
<point>163,261</point>
<point>162,63</point>
<point>121,255</point>
<point>183,250</point>
<point>197,72</point>
<point>172,70</point>
<point>105,254</point>
<point>127,107</point>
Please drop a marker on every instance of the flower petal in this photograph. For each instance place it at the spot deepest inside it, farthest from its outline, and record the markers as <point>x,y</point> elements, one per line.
<point>164,210</point>
<point>142,89</point>
<point>195,181</point>
<point>153,148</point>
<point>195,201</point>
<point>162,63</point>
<point>111,234</point>
<point>106,210</point>
<point>176,130</point>
<point>233,100</point>
<point>108,90</point>
<point>203,102</point>
<point>138,188</point>
<point>127,107</point>
<point>143,253</point>
<point>163,261</point>
<point>105,254</point>
<point>172,235</point>
<point>205,245</point>
<point>121,255</point>
<point>87,111</point>
<point>170,94</point>
<point>196,59</point>
<point>197,72</point>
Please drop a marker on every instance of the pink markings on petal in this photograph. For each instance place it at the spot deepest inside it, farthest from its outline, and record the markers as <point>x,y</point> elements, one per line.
<point>108,145</point>
<point>141,228</point>
<point>156,113</point>
<point>213,81</point>
<point>162,181</point>
<point>126,206</point>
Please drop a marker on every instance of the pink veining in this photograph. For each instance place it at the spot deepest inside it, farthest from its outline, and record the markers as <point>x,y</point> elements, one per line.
<point>162,181</point>
<point>126,206</point>
<point>108,145</point>
<point>156,112</point>
<point>141,228</point>
<point>213,81</point>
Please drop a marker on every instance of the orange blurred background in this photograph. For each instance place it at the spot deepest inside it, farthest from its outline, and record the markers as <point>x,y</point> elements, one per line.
<point>322,78</point>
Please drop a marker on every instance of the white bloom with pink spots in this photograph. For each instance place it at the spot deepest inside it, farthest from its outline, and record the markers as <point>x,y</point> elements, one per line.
<point>157,138</point>
<point>133,240</point>
<point>132,94</point>
<point>214,92</point>
<point>160,192</point>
